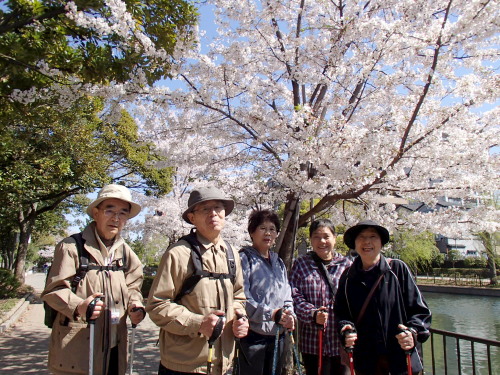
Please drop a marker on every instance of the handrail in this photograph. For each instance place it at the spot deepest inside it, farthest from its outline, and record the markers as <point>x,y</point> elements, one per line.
<point>460,337</point>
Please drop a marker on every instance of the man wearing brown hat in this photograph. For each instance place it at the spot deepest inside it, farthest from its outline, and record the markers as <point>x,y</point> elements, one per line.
<point>91,264</point>
<point>199,317</point>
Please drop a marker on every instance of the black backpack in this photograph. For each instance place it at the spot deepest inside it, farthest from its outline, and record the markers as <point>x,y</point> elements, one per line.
<point>83,268</point>
<point>199,273</point>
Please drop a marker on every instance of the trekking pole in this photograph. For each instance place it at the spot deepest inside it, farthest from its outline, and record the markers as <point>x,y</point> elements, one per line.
<point>295,353</point>
<point>132,340</point>
<point>277,319</point>
<point>321,329</point>
<point>349,350</point>
<point>90,311</point>
<point>408,362</point>
<point>236,361</point>
<point>219,326</point>
<point>320,351</point>
<point>408,354</point>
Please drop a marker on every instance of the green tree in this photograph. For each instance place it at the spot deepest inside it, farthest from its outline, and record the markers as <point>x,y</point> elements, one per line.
<point>38,31</point>
<point>48,156</point>
<point>417,250</point>
<point>489,244</point>
<point>453,256</point>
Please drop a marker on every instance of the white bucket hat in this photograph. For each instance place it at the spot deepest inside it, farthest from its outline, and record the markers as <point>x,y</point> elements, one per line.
<point>118,192</point>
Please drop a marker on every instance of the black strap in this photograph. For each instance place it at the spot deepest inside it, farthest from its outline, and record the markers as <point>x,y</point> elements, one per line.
<point>199,272</point>
<point>83,258</point>
<point>370,295</point>
<point>324,272</point>
<point>84,266</point>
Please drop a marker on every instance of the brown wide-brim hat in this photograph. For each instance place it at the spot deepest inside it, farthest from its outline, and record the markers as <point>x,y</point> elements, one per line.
<point>351,234</point>
<point>208,193</point>
<point>118,192</point>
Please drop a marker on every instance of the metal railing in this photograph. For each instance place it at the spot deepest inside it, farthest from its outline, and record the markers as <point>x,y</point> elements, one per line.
<point>471,358</point>
<point>453,279</point>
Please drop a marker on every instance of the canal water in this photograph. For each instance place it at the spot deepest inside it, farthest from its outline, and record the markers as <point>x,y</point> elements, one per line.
<point>469,315</point>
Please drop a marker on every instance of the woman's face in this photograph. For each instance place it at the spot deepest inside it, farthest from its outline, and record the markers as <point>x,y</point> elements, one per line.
<point>368,245</point>
<point>263,236</point>
<point>322,242</point>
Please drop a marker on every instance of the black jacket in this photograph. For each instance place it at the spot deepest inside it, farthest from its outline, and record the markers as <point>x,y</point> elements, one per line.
<point>397,300</point>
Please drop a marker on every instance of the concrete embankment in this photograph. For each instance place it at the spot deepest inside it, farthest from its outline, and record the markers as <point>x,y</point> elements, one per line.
<point>471,291</point>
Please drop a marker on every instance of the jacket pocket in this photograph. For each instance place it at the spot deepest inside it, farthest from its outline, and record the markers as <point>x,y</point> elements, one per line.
<point>69,349</point>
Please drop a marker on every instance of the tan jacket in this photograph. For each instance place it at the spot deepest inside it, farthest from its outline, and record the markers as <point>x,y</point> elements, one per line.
<point>69,343</point>
<point>182,348</point>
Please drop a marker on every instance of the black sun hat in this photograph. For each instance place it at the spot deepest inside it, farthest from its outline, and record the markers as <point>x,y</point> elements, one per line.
<point>351,234</point>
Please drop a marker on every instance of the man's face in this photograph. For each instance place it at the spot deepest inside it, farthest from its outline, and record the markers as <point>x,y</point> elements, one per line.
<point>208,217</point>
<point>110,217</point>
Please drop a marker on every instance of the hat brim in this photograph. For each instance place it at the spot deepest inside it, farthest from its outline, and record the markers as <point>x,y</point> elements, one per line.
<point>228,206</point>
<point>134,207</point>
<point>351,234</point>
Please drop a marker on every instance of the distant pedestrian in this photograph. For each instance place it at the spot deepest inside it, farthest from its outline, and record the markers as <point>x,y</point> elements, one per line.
<point>114,273</point>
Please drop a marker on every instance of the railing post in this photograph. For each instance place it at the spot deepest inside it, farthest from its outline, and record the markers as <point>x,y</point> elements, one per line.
<point>459,359</point>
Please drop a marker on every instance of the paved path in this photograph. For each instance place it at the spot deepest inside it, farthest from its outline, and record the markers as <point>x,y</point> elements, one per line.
<point>24,347</point>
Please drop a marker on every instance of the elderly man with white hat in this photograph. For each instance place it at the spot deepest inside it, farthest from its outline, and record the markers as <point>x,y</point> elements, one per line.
<point>95,276</point>
<point>199,316</point>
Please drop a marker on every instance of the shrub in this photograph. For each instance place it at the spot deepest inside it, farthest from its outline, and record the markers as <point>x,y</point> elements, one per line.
<point>9,284</point>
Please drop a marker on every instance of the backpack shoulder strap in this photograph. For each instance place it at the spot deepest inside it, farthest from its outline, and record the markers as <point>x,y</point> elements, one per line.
<point>198,273</point>
<point>83,258</point>
<point>231,263</point>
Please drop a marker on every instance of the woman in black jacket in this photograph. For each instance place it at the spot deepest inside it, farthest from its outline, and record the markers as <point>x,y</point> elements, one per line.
<point>386,324</point>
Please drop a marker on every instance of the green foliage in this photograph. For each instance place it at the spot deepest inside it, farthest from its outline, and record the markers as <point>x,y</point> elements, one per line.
<point>475,262</point>
<point>340,246</point>
<point>31,31</point>
<point>417,250</point>
<point>453,256</point>
<point>438,259</point>
<point>9,284</point>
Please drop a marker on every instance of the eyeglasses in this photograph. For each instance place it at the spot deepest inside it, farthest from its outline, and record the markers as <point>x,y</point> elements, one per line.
<point>265,229</point>
<point>218,208</point>
<point>122,215</point>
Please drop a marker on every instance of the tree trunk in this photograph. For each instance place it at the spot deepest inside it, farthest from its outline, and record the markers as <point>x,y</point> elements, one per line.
<point>9,242</point>
<point>25,228</point>
<point>285,244</point>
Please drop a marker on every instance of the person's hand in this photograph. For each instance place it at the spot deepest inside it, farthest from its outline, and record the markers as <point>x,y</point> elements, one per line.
<point>287,320</point>
<point>209,321</point>
<point>83,306</point>
<point>322,316</point>
<point>136,313</point>
<point>405,338</point>
<point>350,338</point>
<point>240,324</point>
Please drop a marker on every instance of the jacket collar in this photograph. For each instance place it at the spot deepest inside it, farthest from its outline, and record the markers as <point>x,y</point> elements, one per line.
<point>92,244</point>
<point>357,267</point>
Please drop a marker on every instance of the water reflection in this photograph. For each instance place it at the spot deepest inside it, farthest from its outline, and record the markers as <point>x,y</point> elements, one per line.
<point>468,315</point>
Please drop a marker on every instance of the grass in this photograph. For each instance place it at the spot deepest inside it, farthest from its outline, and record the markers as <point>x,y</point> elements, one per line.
<point>6,305</point>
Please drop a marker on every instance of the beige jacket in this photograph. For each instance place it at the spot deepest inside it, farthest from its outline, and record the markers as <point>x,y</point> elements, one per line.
<point>69,341</point>
<point>182,348</point>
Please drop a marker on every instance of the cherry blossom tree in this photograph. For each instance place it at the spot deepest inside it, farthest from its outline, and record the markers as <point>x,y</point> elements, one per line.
<point>352,103</point>
<point>354,106</point>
